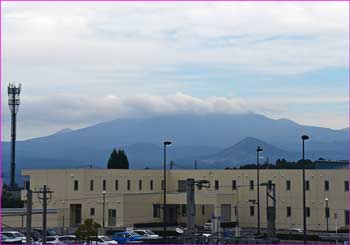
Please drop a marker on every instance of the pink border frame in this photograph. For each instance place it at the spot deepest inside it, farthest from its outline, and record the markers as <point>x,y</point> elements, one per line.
<point>1,94</point>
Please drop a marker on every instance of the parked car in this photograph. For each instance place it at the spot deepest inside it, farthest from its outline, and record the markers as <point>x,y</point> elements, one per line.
<point>8,240</point>
<point>15,235</point>
<point>49,232</point>
<point>147,234</point>
<point>104,240</point>
<point>296,230</point>
<point>126,237</point>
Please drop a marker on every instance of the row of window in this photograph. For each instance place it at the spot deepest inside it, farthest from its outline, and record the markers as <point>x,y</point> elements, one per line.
<point>182,185</point>
<point>116,185</point>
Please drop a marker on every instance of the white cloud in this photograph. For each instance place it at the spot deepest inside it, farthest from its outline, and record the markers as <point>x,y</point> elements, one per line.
<point>53,113</point>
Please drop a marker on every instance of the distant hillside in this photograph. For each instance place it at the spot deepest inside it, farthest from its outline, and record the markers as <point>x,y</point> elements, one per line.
<point>244,152</point>
<point>193,137</point>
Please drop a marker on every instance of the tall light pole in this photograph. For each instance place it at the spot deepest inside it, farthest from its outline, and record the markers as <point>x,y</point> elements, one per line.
<point>304,137</point>
<point>258,183</point>
<point>13,101</point>
<point>327,212</point>
<point>103,208</point>
<point>164,186</point>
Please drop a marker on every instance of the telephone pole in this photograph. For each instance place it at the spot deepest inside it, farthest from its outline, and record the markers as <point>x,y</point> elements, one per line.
<point>29,216</point>
<point>44,194</point>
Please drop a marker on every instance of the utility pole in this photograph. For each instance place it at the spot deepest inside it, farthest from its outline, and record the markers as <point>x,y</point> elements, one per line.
<point>165,143</point>
<point>190,205</point>
<point>43,195</point>
<point>304,137</point>
<point>103,208</point>
<point>29,216</point>
<point>258,184</point>
<point>171,165</point>
<point>191,211</point>
<point>195,164</point>
<point>13,101</point>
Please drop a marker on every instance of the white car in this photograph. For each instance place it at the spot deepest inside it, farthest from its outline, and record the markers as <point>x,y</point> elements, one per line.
<point>104,240</point>
<point>297,230</point>
<point>147,234</point>
<point>15,235</point>
<point>5,239</point>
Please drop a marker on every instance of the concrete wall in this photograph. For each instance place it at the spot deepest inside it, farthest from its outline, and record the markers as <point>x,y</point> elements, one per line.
<point>136,206</point>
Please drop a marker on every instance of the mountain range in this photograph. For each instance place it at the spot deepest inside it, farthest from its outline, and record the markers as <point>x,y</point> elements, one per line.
<point>214,140</point>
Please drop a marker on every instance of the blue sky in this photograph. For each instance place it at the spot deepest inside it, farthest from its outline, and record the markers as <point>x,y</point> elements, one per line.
<point>84,63</point>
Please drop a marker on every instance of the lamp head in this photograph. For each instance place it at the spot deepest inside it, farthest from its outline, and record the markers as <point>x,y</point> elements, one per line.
<point>167,142</point>
<point>259,149</point>
<point>304,137</point>
<point>103,192</point>
<point>326,199</point>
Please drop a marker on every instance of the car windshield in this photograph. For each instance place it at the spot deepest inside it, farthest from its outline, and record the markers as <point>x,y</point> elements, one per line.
<point>134,234</point>
<point>50,239</point>
<point>10,235</point>
<point>52,233</point>
<point>106,238</point>
<point>17,234</point>
<point>149,232</point>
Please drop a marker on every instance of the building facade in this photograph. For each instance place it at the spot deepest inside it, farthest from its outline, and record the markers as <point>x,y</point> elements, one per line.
<point>136,196</point>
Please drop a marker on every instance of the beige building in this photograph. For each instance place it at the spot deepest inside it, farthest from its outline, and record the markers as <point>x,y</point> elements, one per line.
<point>135,196</point>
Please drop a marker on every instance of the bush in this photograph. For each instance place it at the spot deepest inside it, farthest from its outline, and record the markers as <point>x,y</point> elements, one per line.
<point>343,229</point>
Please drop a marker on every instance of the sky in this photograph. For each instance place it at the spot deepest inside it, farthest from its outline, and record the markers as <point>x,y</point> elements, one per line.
<point>82,63</point>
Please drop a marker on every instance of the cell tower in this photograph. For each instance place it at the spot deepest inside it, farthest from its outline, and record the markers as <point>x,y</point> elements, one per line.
<point>13,93</point>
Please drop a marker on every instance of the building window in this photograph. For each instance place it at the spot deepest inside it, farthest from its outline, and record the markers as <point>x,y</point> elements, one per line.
<point>236,213</point>
<point>162,184</point>
<point>27,185</point>
<point>251,210</point>
<point>203,210</point>
<point>307,185</point>
<point>216,185</point>
<point>347,217</point>
<point>92,211</point>
<point>289,211</point>
<point>346,185</point>
<point>327,212</point>
<point>269,184</point>
<point>183,210</point>
<point>91,185</point>
<point>76,185</point>
<point>308,212</point>
<point>128,185</point>
<point>234,185</point>
<point>151,185</point>
<point>181,185</point>
<point>156,210</point>
<point>104,185</point>
<point>112,217</point>
<point>116,185</point>
<point>326,185</point>
<point>288,185</point>
<point>251,185</point>
<point>140,185</point>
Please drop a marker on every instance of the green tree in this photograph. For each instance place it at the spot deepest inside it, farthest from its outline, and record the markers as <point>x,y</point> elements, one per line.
<point>118,160</point>
<point>10,199</point>
<point>88,231</point>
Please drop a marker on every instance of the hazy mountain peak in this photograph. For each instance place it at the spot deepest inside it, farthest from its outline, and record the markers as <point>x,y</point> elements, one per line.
<point>63,131</point>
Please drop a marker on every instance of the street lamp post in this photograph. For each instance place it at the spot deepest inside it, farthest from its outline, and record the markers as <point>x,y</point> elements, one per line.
<point>103,208</point>
<point>13,101</point>
<point>327,212</point>
<point>304,137</point>
<point>258,184</point>
<point>164,186</point>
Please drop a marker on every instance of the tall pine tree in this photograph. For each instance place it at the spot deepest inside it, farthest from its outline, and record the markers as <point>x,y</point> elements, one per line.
<point>118,160</point>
